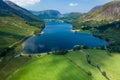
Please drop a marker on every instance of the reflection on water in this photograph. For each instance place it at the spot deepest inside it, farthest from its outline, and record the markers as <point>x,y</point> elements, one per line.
<point>57,36</point>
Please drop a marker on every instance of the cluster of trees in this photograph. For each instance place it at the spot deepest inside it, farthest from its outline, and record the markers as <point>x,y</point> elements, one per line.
<point>105,32</point>
<point>60,52</point>
<point>4,51</point>
<point>114,47</point>
<point>87,25</point>
<point>78,47</point>
<point>103,29</point>
<point>36,32</point>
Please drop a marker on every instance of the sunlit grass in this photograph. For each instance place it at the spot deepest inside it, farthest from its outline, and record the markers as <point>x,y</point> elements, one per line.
<point>50,68</point>
<point>72,66</point>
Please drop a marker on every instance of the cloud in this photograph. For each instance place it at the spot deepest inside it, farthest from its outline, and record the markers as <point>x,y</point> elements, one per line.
<point>25,2</point>
<point>73,4</point>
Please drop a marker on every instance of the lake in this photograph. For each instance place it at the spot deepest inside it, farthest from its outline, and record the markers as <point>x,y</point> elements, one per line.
<point>59,36</point>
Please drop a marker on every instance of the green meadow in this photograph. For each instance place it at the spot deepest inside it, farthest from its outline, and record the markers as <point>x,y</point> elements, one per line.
<point>72,66</point>
<point>13,29</point>
<point>49,67</point>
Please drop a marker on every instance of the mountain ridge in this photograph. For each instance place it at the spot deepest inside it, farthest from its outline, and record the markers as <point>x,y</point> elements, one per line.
<point>16,24</point>
<point>109,11</point>
<point>25,14</point>
<point>47,14</point>
<point>104,23</point>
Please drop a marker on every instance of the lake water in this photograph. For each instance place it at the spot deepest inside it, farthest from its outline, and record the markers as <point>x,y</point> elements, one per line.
<point>58,36</point>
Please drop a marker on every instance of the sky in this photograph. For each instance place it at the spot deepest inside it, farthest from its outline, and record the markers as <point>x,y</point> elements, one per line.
<point>64,6</point>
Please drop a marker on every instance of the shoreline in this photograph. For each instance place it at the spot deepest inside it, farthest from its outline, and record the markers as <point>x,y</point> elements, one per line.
<point>77,30</point>
<point>21,42</point>
<point>37,54</point>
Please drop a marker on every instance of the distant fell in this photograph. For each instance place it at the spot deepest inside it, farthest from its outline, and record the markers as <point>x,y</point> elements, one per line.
<point>10,8</point>
<point>109,11</point>
<point>47,14</point>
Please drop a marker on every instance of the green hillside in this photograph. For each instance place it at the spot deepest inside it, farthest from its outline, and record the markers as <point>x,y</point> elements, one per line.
<point>107,63</point>
<point>13,29</point>
<point>16,25</point>
<point>103,22</point>
<point>52,68</point>
<point>74,65</point>
<point>109,12</point>
<point>105,14</point>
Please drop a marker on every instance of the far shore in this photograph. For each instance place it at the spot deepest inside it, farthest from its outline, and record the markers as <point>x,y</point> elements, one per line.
<point>76,30</point>
<point>37,54</point>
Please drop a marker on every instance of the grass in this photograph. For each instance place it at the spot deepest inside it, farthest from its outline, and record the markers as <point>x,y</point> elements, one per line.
<point>80,59</point>
<point>72,66</point>
<point>13,29</point>
<point>50,68</point>
<point>12,66</point>
<point>109,64</point>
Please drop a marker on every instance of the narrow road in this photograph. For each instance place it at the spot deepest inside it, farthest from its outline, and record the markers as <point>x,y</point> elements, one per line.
<point>12,45</point>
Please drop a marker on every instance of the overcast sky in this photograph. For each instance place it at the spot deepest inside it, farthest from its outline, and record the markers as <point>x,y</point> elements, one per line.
<point>64,6</point>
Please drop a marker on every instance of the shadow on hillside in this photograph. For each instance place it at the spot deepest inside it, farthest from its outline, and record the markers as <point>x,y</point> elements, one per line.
<point>73,72</point>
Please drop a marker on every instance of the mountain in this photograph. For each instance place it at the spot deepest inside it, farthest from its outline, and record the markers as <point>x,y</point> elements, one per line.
<point>47,14</point>
<point>104,23</point>
<point>73,15</point>
<point>105,14</point>
<point>4,9</point>
<point>16,24</point>
<point>108,12</point>
<point>95,8</point>
<point>25,14</point>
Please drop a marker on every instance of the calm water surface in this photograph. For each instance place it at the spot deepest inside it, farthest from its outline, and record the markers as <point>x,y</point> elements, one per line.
<point>58,36</point>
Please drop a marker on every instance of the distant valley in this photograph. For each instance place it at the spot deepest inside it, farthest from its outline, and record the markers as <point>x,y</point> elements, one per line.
<point>55,14</point>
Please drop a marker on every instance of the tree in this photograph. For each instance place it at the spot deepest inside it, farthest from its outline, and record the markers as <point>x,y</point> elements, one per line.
<point>104,73</point>
<point>89,73</point>
<point>60,52</point>
<point>77,47</point>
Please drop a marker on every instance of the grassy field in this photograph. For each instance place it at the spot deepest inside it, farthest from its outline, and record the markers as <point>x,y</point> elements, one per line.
<point>72,66</point>
<point>80,59</point>
<point>13,29</point>
<point>109,64</point>
<point>50,68</point>
<point>12,66</point>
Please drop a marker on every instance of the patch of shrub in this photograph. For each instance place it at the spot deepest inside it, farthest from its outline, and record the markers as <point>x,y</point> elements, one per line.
<point>30,55</point>
<point>89,73</point>
<point>77,47</point>
<point>39,55</point>
<point>104,73</point>
<point>85,47</point>
<point>60,52</point>
<point>48,53</point>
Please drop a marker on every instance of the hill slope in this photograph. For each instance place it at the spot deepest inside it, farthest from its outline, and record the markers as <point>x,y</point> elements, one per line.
<point>15,9</point>
<point>109,11</point>
<point>73,66</point>
<point>95,8</point>
<point>72,15</point>
<point>47,14</point>
<point>16,24</point>
<point>103,22</point>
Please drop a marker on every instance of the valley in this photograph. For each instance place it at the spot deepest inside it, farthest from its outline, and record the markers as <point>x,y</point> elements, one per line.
<point>77,46</point>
